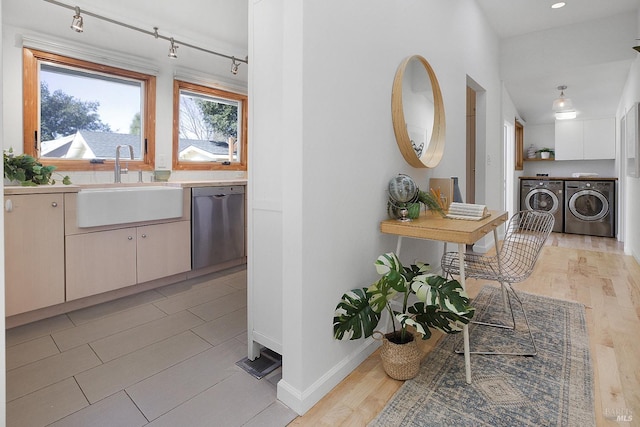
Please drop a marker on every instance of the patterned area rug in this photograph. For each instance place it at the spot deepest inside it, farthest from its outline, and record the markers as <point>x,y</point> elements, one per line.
<point>554,388</point>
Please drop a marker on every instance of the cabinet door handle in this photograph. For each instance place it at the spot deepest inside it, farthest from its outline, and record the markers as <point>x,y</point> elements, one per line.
<point>130,238</point>
<point>54,204</point>
<point>8,205</point>
<point>144,236</point>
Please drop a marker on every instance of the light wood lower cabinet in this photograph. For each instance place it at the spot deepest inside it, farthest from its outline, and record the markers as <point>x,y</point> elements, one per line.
<point>106,260</point>
<point>34,252</point>
<point>163,250</point>
<point>100,262</point>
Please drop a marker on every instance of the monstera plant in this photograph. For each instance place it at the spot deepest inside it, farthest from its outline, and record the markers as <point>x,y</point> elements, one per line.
<point>439,303</point>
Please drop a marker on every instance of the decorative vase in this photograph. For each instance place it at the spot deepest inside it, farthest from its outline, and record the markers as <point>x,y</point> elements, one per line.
<point>545,155</point>
<point>400,361</point>
<point>531,152</point>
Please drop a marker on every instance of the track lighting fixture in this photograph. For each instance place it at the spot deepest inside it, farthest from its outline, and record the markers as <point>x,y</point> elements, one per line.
<point>172,49</point>
<point>234,66</point>
<point>637,48</point>
<point>77,23</point>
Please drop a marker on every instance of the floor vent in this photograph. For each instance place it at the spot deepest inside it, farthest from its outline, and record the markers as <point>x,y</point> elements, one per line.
<point>263,365</point>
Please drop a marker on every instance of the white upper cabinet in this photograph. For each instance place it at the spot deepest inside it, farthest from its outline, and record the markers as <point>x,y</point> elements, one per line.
<point>569,136</point>
<point>600,139</point>
<point>591,139</point>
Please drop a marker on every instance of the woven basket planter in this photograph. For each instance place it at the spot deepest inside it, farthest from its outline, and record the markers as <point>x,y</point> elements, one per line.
<point>400,361</point>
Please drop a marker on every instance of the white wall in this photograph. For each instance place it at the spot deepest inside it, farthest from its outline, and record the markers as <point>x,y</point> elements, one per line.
<point>3,391</point>
<point>629,187</point>
<point>509,115</point>
<point>331,91</point>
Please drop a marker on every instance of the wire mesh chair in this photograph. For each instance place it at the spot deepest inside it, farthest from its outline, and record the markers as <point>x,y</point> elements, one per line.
<point>514,261</point>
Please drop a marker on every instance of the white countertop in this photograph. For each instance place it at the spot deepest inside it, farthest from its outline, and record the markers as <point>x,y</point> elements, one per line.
<point>73,188</point>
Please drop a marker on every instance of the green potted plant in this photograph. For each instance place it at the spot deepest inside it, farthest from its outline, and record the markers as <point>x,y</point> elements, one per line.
<point>440,303</point>
<point>545,153</point>
<point>26,170</point>
<point>413,207</point>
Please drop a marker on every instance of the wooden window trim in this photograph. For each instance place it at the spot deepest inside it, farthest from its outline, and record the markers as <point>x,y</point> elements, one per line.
<point>179,85</point>
<point>519,141</point>
<point>31,99</point>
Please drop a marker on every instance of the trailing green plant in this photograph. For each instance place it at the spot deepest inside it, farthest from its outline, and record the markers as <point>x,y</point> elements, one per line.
<point>441,304</point>
<point>28,171</point>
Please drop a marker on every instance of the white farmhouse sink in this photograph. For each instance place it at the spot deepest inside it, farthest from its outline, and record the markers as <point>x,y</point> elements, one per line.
<point>121,205</point>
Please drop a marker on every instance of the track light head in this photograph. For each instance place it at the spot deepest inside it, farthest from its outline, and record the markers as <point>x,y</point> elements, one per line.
<point>77,24</point>
<point>172,50</point>
<point>234,66</point>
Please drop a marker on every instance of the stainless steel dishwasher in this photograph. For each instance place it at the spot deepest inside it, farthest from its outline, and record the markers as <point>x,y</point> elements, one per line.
<point>217,225</point>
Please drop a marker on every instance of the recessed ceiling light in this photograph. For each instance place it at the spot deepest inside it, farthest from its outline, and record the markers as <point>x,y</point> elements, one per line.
<point>558,5</point>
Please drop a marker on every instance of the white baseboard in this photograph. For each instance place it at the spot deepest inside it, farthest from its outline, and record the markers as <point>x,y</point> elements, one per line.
<point>301,401</point>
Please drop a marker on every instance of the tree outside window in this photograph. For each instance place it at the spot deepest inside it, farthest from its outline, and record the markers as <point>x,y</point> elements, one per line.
<point>77,112</point>
<point>210,132</point>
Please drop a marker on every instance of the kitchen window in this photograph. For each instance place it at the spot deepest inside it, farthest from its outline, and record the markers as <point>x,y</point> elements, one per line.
<point>77,112</point>
<point>210,128</point>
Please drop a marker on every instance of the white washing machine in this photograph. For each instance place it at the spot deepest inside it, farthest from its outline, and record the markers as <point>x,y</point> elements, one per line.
<point>590,208</point>
<point>544,195</point>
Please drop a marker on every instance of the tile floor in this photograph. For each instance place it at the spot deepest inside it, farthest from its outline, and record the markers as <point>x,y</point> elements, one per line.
<point>165,357</point>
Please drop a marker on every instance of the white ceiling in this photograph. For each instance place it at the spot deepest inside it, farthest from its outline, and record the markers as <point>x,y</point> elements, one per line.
<point>516,17</point>
<point>585,45</point>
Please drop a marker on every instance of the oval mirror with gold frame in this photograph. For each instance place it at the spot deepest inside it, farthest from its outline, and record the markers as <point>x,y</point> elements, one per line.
<point>417,112</point>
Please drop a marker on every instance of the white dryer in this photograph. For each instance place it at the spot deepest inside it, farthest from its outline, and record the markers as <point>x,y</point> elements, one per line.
<point>544,195</point>
<point>590,208</point>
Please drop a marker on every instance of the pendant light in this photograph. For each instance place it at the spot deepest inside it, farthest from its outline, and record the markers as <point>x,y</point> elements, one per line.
<point>563,107</point>
<point>562,103</point>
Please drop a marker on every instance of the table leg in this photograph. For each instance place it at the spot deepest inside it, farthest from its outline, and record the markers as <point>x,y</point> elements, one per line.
<point>505,297</point>
<point>398,246</point>
<point>465,328</point>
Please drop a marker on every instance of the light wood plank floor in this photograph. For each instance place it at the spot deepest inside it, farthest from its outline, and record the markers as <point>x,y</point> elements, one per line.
<point>590,270</point>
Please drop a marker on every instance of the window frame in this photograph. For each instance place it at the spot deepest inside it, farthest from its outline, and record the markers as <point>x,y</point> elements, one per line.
<point>31,111</point>
<point>241,164</point>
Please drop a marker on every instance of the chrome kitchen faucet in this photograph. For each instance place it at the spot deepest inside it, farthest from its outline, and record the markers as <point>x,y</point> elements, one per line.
<point>118,170</point>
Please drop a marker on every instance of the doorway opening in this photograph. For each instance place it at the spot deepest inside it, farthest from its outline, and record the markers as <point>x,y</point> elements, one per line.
<point>476,144</point>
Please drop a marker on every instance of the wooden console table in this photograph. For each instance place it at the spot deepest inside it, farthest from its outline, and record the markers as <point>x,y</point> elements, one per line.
<point>431,226</point>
